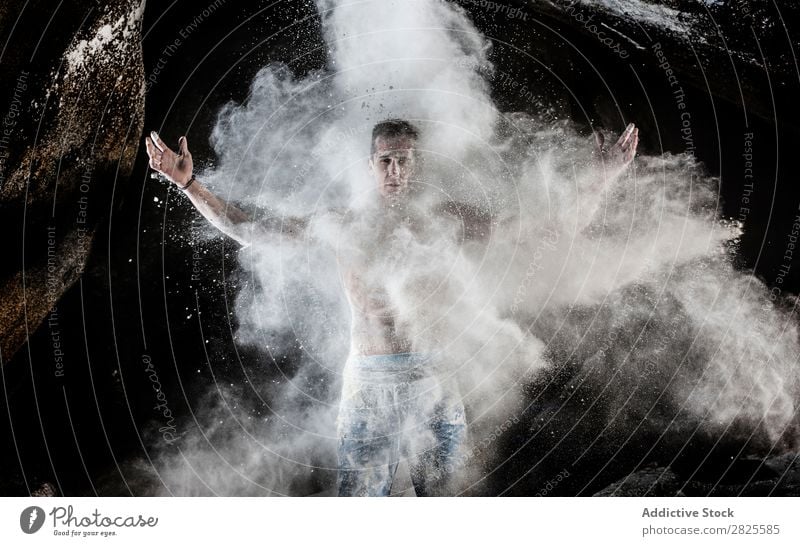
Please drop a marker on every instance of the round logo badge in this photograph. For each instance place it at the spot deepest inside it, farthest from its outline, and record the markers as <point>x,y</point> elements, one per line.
<point>31,519</point>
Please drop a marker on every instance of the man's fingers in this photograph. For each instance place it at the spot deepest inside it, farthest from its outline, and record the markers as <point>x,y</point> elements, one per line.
<point>156,156</point>
<point>151,148</point>
<point>635,143</point>
<point>157,141</point>
<point>633,140</point>
<point>630,150</point>
<point>626,135</point>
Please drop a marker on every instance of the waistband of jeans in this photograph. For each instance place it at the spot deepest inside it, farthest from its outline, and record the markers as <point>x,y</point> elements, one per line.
<point>396,366</point>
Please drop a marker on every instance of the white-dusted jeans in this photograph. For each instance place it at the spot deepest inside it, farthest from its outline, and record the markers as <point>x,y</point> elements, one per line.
<point>396,406</point>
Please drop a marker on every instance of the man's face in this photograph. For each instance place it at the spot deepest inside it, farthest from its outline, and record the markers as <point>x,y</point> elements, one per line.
<point>392,164</point>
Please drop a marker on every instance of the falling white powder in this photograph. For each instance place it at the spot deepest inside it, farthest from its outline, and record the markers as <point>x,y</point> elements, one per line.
<point>109,39</point>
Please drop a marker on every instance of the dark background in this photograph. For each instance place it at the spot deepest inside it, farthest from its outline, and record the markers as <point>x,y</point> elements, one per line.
<point>137,296</point>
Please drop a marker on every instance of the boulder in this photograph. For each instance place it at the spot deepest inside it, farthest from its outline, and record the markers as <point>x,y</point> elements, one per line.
<point>72,85</point>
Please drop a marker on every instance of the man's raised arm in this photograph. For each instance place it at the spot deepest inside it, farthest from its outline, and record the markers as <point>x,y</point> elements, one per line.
<point>610,164</point>
<point>232,221</point>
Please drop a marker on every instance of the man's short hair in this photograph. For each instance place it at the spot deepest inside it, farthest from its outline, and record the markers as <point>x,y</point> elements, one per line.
<point>392,128</point>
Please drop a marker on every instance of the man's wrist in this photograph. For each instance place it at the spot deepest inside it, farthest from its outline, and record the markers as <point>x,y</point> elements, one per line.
<point>188,183</point>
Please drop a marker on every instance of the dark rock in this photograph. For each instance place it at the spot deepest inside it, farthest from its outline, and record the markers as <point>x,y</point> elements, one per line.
<point>750,476</point>
<point>73,84</point>
<point>787,467</point>
<point>649,482</point>
<point>727,49</point>
<point>47,489</point>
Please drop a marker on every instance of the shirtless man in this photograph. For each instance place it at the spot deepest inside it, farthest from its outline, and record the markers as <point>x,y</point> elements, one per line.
<point>393,402</point>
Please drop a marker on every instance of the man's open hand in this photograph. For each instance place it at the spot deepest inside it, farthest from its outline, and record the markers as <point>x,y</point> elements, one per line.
<point>175,167</point>
<point>615,159</point>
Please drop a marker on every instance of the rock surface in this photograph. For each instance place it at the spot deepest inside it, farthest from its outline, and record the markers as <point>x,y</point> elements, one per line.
<point>729,49</point>
<point>650,482</point>
<point>778,475</point>
<point>72,81</point>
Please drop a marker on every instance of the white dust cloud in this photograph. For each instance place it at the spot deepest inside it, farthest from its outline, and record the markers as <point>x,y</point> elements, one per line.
<point>554,269</point>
